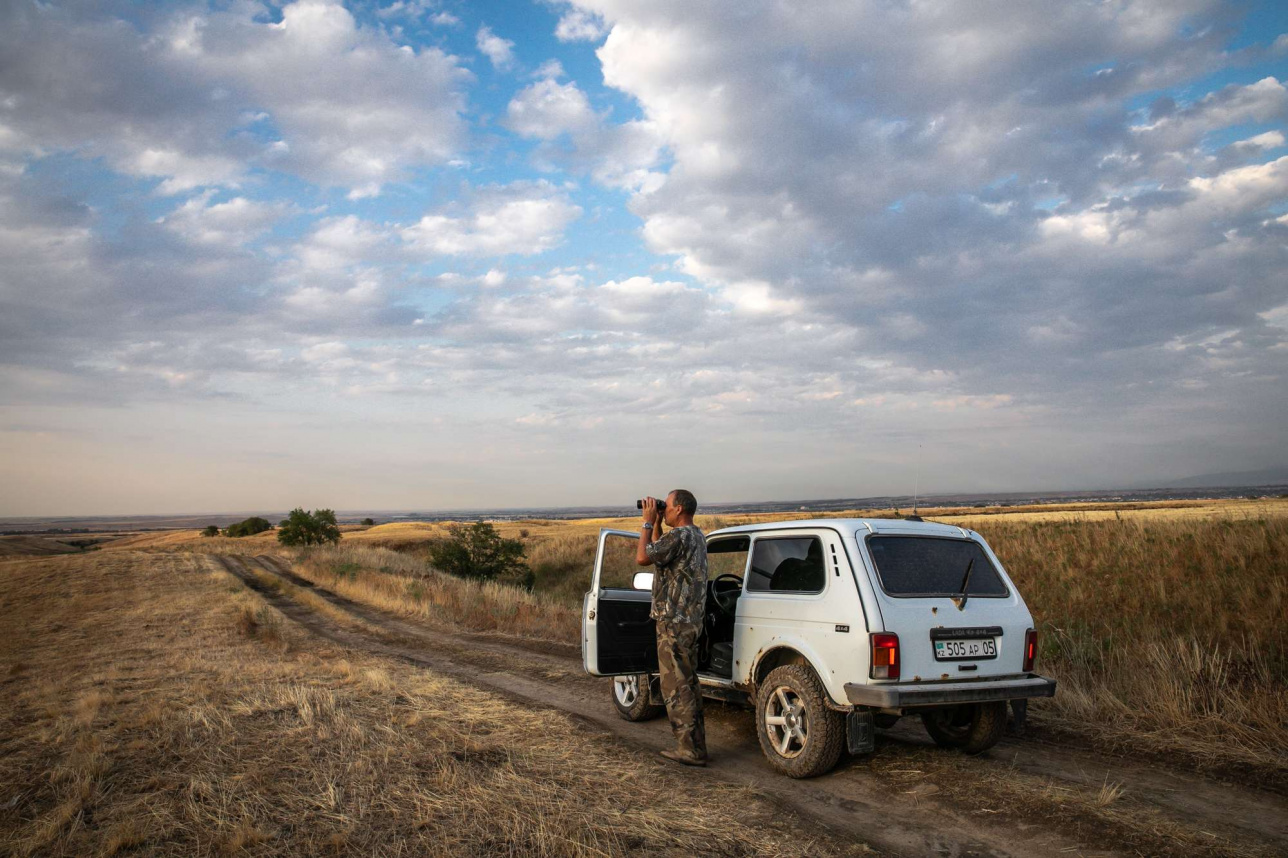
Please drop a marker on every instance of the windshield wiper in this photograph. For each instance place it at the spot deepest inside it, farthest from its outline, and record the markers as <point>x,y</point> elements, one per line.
<point>961,600</point>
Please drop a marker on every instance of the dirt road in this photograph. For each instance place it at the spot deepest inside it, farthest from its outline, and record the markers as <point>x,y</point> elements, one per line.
<point>1022,798</point>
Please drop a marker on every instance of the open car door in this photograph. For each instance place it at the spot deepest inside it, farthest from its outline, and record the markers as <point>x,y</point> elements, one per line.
<point>617,634</point>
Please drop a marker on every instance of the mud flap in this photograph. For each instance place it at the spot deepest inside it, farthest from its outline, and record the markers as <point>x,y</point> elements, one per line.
<point>860,732</point>
<point>1019,716</point>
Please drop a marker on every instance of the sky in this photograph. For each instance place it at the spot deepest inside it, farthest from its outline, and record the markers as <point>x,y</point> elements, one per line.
<point>427,254</point>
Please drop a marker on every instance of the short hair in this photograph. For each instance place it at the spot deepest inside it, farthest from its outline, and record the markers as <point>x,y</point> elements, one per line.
<point>688,503</point>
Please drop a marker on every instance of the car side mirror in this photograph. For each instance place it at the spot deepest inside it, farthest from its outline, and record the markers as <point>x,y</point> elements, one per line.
<point>642,581</point>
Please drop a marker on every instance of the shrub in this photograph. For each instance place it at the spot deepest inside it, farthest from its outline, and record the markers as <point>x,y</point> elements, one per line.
<point>477,551</point>
<point>210,530</point>
<point>249,527</point>
<point>368,522</point>
<point>309,528</point>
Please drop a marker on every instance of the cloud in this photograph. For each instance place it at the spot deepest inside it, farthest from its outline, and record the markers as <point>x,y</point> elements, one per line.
<point>519,219</point>
<point>621,156</point>
<point>1037,244</point>
<point>499,51</point>
<point>578,25</point>
<point>210,96</point>
<point>233,223</point>
<point>547,109</point>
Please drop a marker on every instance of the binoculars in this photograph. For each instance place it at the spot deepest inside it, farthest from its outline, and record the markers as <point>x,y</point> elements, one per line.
<point>661,505</point>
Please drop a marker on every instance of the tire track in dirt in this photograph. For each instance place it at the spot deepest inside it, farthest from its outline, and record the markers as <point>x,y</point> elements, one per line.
<point>864,814</point>
<point>1231,808</point>
<point>849,800</point>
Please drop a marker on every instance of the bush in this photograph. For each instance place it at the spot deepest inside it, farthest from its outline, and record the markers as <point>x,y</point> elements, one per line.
<point>309,528</point>
<point>210,530</point>
<point>249,527</point>
<point>477,551</point>
<point>368,522</point>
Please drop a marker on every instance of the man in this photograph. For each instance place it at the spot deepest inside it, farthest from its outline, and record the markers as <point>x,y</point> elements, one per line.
<point>679,601</point>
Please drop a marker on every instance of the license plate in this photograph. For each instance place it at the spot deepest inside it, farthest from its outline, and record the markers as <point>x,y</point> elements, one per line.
<point>958,650</point>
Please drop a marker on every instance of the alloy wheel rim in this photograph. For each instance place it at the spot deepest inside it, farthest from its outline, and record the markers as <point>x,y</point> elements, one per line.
<point>627,689</point>
<point>786,722</point>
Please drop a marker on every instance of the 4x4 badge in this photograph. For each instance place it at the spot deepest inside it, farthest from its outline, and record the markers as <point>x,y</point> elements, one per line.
<point>840,628</point>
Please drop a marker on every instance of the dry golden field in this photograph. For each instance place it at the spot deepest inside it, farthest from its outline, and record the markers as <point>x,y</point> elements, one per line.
<point>153,705</point>
<point>1163,623</point>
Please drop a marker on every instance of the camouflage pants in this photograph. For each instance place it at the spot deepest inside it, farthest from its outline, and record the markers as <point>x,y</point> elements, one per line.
<point>677,660</point>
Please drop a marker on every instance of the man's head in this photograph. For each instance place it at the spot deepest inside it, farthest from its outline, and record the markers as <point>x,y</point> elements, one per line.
<point>680,504</point>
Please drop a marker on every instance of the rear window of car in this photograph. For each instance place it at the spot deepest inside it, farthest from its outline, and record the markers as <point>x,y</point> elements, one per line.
<point>933,566</point>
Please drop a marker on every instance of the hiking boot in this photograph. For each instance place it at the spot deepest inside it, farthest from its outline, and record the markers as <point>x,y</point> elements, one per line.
<point>682,757</point>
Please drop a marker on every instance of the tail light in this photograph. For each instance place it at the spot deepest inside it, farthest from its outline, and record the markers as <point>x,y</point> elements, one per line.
<point>1030,649</point>
<point>885,655</point>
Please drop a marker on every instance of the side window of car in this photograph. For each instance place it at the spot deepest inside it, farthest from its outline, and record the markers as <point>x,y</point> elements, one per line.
<point>619,566</point>
<point>787,565</point>
<point>727,557</point>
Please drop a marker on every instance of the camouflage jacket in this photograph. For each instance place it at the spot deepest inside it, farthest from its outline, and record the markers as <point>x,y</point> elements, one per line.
<point>680,580</point>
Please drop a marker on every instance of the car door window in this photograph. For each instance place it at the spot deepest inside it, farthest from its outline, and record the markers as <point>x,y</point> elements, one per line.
<point>619,566</point>
<point>787,565</point>
<point>727,557</point>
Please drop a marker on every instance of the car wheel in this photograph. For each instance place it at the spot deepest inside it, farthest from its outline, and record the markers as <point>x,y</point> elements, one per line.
<point>970,728</point>
<point>800,735</point>
<point>630,696</point>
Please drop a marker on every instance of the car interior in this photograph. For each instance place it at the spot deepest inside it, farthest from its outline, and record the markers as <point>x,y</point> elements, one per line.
<point>726,563</point>
<point>782,565</point>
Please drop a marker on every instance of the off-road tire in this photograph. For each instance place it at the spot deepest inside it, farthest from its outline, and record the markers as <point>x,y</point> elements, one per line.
<point>636,707</point>
<point>971,728</point>
<point>825,737</point>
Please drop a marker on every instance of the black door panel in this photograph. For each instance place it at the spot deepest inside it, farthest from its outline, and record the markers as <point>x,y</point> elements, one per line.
<point>627,638</point>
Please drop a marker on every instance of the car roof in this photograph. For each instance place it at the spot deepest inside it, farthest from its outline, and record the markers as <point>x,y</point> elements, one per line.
<point>851,525</point>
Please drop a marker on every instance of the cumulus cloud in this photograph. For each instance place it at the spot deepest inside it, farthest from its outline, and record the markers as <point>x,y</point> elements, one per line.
<point>234,222</point>
<point>578,25</point>
<point>1028,244</point>
<point>618,155</point>
<point>499,51</point>
<point>334,102</point>
<point>519,219</point>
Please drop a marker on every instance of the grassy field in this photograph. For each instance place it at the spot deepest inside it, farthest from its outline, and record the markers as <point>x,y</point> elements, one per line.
<point>152,704</point>
<point>1163,623</point>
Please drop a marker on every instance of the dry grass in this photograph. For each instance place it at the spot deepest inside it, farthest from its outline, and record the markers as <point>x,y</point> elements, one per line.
<point>403,584</point>
<point>1167,633</point>
<point>141,712</point>
<point>1163,622</point>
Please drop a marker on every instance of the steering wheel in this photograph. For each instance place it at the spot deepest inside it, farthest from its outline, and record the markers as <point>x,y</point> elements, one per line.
<point>724,595</point>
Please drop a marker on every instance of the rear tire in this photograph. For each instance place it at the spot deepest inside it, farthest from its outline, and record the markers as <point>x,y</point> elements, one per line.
<point>800,735</point>
<point>970,728</point>
<point>631,697</point>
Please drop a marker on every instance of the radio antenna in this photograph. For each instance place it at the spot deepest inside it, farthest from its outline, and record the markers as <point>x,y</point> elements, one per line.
<point>916,481</point>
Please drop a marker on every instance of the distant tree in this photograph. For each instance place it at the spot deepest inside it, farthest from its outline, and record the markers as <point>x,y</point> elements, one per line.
<point>368,522</point>
<point>477,551</point>
<point>211,530</point>
<point>250,527</point>
<point>309,528</point>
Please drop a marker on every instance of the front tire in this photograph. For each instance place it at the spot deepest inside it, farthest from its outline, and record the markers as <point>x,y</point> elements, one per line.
<point>970,728</point>
<point>800,736</point>
<point>631,697</point>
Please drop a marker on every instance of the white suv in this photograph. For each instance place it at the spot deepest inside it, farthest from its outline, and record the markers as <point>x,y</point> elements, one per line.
<point>829,628</point>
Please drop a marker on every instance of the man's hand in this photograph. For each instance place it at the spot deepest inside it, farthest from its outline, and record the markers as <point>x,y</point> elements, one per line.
<point>650,511</point>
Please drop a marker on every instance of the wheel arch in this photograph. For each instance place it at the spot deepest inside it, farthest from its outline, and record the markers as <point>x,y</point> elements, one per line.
<point>790,652</point>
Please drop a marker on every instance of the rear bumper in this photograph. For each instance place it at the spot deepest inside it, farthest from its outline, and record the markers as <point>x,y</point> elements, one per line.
<point>946,693</point>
